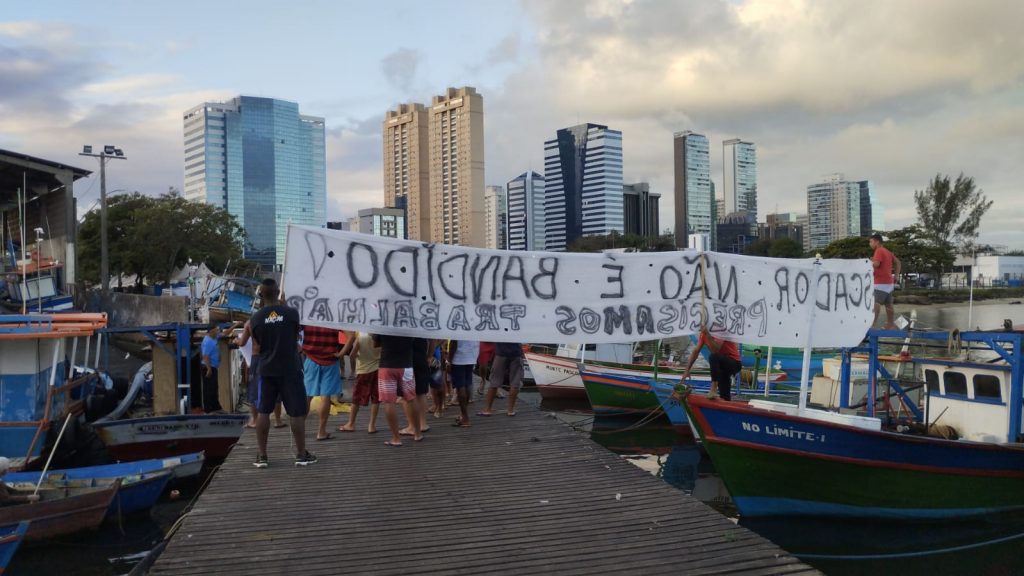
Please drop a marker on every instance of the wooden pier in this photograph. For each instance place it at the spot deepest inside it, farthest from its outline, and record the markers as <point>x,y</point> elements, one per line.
<point>510,495</point>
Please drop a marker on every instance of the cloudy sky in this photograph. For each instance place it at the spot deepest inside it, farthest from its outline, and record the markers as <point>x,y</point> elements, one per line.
<point>892,91</point>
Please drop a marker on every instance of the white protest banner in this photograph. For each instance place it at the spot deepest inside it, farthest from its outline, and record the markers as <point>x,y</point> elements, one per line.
<point>357,281</point>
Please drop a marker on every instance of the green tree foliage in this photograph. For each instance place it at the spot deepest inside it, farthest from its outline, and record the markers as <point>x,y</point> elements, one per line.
<point>663,243</point>
<point>950,213</point>
<point>759,247</point>
<point>151,237</point>
<point>918,252</point>
<point>785,248</point>
<point>852,247</point>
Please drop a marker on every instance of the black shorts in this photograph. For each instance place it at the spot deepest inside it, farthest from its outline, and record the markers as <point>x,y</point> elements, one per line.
<point>290,390</point>
<point>462,376</point>
<point>422,377</point>
<point>723,369</point>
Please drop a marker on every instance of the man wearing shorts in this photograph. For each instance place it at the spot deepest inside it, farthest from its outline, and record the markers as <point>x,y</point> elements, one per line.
<point>508,362</point>
<point>360,346</point>
<point>724,361</point>
<point>463,354</point>
<point>887,269</point>
<point>321,370</point>
<point>421,352</point>
<point>275,328</point>
<point>395,380</point>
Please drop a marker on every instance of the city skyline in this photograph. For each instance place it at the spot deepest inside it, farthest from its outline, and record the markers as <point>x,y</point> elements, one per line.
<point>900,92</point>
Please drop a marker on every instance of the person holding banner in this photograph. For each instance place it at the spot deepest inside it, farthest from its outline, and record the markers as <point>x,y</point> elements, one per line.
<point>395,380</point>
<point>275,328</point>
<point>724,359</point>
<point>463,354</point>
<point>360,346</point>
<point>322,370</point>
<point>422,349</point>
<point>508,362</point>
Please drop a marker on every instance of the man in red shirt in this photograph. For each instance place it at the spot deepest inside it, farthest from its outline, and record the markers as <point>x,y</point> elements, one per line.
<point>321,370</point>
<point>887,269</point>
<point>724,360</point>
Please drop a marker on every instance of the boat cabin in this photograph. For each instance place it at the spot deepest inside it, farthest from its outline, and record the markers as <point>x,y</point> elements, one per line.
<point>972,398</point>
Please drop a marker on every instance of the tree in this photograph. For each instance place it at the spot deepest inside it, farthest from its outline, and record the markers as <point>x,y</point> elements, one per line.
<point>785,247</point>
<point>918,252</point>
<point>950,214</point>
<point>852,247</point>
<point>759,247</point>
<point>152,237</point>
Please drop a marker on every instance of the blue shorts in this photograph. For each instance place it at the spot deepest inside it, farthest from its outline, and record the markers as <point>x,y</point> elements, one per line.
<point>321,380</point>
<point>462,376</point>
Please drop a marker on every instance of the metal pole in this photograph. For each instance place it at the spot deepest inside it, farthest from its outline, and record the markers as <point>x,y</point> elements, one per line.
<point>104,256</point>
<point>812,298</point>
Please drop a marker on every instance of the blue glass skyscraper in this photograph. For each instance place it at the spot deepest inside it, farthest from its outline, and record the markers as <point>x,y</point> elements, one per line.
<point>263,162</point>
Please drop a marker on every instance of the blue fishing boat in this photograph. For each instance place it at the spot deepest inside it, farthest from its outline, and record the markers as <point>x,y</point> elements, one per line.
<point>180,467</point>
<point>10,538</point>
<point>138,492</point>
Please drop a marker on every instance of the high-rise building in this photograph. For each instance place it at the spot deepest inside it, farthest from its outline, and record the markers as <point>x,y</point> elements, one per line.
<point>406,184</point>
<point>526,212</point>
<point>694,199</point>
<point>388,222</point>
<point>872,215</point>
<point>262,161</point>
<point>784,225</point>
<point>833,211</point>
<point>735,232</point>
<point>640,209</point>
<point>583,184</point>
<point>496,218</point>
<point>739,165</point>
<point>804,223</point>
<point>456,128</point>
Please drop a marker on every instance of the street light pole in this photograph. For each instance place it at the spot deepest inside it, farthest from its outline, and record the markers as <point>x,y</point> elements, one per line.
<point>107,153</point>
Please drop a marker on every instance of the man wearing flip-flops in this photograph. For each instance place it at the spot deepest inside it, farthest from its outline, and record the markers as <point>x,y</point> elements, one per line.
<point>508,362</point>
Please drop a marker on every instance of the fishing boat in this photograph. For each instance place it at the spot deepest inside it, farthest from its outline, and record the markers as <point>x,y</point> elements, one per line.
<point>618,391</point>
<point>138,492</point>
<point>785,358</point>
<point>779,459</point>
<point>37,385</point>
<point>237,301</point>
<point>11,536</point>
<point>62,510</point>
<point>556,375</point>
<point>174,435</point>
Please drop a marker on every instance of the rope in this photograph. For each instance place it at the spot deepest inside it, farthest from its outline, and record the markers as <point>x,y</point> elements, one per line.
<point>896,555</point>
<point>639,423</point>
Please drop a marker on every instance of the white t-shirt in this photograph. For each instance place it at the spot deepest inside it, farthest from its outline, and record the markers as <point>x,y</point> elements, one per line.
<point>466,352</point>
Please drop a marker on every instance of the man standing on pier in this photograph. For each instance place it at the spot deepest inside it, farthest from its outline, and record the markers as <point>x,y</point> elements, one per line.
<point>275,328</point>
<point>322,370</point>
<point>395,380</point>
<point>210,350</point>
<point>887,269</point>
<point>508,363</point>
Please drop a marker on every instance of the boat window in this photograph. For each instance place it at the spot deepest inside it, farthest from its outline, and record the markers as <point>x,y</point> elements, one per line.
<point>931,377</point>
<point>987,386</point>
<point>955,383</point>
<point>591,347</point>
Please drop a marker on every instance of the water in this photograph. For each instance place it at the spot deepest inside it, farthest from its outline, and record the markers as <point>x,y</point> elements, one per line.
<point>991,546</point>
<point>987,315</point>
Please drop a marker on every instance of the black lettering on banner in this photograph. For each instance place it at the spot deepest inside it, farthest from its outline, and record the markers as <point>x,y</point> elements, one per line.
<point>590,321</point>
<point>671,315</point>
<point>383,314</point>
<point>699,282</point>
<point>869,295</point>
<point>512,313</point>
<point>513,274</point>
<point>617,271</point>
<point>564,326</point>
<point>759,310</point>
<point>841,293</point>
<point>644,320</point>
<point>405,314</point>
<point>827,305</point>
<point>350,257</point>
<point>352,310</point>
<point>615,318</point>
<point>701,312</point>
<point>731,285</point>
<point>663,281</point>
<point>783,284</point>
<point>720,315</point>
<point>552,292</point>
<point>390,277</point>
<point>299,303</point>
<point>860,289</point>
<point>429,312</point>
<point>737,318</point>
<point>457,318</point>
<point>461,278</point>
<point>317,251</point>
<point>320,311</point>
<point>488,317</point>
<point>801,278</point>
<point>430,270</point>
<point>476,277</point>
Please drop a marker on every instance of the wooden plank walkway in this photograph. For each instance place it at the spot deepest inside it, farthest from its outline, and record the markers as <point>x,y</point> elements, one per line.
<point>521,495</point>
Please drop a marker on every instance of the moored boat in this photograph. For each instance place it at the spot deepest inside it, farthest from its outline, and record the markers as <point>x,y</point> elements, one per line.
<point>62,510</point>
<point>11,536</point>
<point>138,492</point>
<point>780,459</point>
<point>175,435</point>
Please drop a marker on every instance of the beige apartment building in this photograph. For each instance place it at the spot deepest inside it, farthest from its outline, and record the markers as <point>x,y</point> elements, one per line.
<point>457,168</point>
<point>406,180</point>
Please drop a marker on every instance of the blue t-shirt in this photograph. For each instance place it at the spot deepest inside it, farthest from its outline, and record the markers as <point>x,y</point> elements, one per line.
<point>210,348</point>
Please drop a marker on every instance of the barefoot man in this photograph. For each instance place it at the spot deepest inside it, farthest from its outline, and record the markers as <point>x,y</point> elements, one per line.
<point>724,359</point>
<point>887,269</point>
<point>360,346</point>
